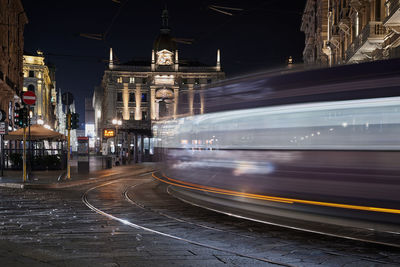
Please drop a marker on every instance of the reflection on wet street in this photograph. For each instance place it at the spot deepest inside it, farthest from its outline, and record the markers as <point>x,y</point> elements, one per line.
<point>55,227</point>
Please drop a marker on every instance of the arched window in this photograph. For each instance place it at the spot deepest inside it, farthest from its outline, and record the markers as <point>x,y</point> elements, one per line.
<point>31,87</point>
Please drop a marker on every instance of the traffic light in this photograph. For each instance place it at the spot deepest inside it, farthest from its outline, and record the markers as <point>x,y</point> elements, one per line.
<point>74,120</point>
<point>21,117</point>
<point>16,117</point>
<point>16,113</point>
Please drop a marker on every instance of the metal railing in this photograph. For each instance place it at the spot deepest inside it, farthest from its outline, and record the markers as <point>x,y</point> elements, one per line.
<point>39,159</point>
<point>373,30</point>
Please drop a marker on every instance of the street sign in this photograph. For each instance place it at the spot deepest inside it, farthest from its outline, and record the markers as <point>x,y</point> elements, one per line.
<point>3,128</point>
<point>67,98</point>
<point>107,133</point>
<point>3,115</point>
<point>29,98</point>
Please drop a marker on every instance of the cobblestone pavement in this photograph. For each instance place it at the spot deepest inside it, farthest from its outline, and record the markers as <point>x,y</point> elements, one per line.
<point>56,228</point>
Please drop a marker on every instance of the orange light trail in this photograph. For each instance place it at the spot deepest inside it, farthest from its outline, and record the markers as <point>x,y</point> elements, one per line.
<point>270,198</point>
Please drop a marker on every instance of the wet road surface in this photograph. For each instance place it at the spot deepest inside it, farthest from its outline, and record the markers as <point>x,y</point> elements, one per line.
<point>149,227</point>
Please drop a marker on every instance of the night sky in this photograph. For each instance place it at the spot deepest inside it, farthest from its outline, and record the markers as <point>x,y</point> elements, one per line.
<point>260,37</point>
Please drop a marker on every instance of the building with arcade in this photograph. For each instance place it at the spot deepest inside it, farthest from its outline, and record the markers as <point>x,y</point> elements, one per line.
<point>139,92</point>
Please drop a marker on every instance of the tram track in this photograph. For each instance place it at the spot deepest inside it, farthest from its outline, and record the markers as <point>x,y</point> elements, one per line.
<point>142,206</point>
<point>191,190</point>
<point>140,227</point>
<point>128,193</point>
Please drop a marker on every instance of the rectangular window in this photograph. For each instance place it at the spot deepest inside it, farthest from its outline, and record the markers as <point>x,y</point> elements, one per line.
<point>144,81</point>
<point>119,96</point>
<point>131,97</point>
<point>184,81</point>
<point>131,114</point>
<point>31,73</point>
<point>144,97</point>
<point>119,80</point>
<point>132,80</point>
<point>378,10</point>
<point>144,115</point>
<point>196,81</point>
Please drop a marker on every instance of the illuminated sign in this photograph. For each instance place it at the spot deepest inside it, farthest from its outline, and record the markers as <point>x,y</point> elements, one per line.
<point>107,133</point>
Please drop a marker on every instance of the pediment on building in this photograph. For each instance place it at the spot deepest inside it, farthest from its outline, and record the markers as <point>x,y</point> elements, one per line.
<point>165,57</point>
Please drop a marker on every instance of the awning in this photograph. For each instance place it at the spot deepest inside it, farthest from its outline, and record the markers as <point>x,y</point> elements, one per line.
<point>38,132</point>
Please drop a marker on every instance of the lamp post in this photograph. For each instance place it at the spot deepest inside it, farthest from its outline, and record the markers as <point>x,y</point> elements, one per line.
<point>117,123</point>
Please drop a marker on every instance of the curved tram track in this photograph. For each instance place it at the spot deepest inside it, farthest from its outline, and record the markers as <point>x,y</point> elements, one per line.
<point>227,235</point>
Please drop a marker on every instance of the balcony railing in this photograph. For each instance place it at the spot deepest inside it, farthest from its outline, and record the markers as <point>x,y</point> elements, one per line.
<point>131,68</point>
<point>197,69</point>
<point>373,32</point>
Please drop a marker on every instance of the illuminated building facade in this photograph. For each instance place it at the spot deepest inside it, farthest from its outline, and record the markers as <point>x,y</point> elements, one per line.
<point>349,31</point>
<point>89,122</point>
<point>139,92</point>
<point>12,23</point>
<point>40,79</point>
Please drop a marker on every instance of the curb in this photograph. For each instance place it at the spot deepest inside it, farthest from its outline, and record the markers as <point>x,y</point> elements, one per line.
<point>68,184</point>
<point>12,185</point>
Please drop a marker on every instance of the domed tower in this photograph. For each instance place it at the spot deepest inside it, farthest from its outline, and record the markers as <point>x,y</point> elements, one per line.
<point>164,47</point>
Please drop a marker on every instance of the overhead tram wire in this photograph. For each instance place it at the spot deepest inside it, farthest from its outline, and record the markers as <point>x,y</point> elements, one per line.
<point>103,36</point>
<point>89,58</point>
<point>233,16</point>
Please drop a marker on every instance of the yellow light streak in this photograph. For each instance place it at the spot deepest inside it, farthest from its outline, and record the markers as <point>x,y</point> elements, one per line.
<point>271,198</point>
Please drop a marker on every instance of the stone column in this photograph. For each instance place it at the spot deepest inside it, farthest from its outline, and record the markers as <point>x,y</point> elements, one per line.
<point>138,97</point>
<point>176,97</point>
<point>202,101</point>
<point>125,99</point>
<point>190,99</point>
<point>153,103</point>
<point>39,97</point>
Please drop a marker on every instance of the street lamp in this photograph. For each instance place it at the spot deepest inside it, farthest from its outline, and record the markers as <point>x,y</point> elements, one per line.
<point>117,123</point>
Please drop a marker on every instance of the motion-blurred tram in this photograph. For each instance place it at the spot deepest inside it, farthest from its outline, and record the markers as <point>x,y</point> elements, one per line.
<point>315,142</point>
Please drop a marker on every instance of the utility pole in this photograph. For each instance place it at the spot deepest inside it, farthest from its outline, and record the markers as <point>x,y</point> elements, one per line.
<point>24,154</point>
<point>67,99</point>
<point>69,144</point>
<point>30,143</point>
<point>29,98</point>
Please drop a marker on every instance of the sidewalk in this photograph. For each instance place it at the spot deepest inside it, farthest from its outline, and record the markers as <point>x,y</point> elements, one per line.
<point>57,179</point>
